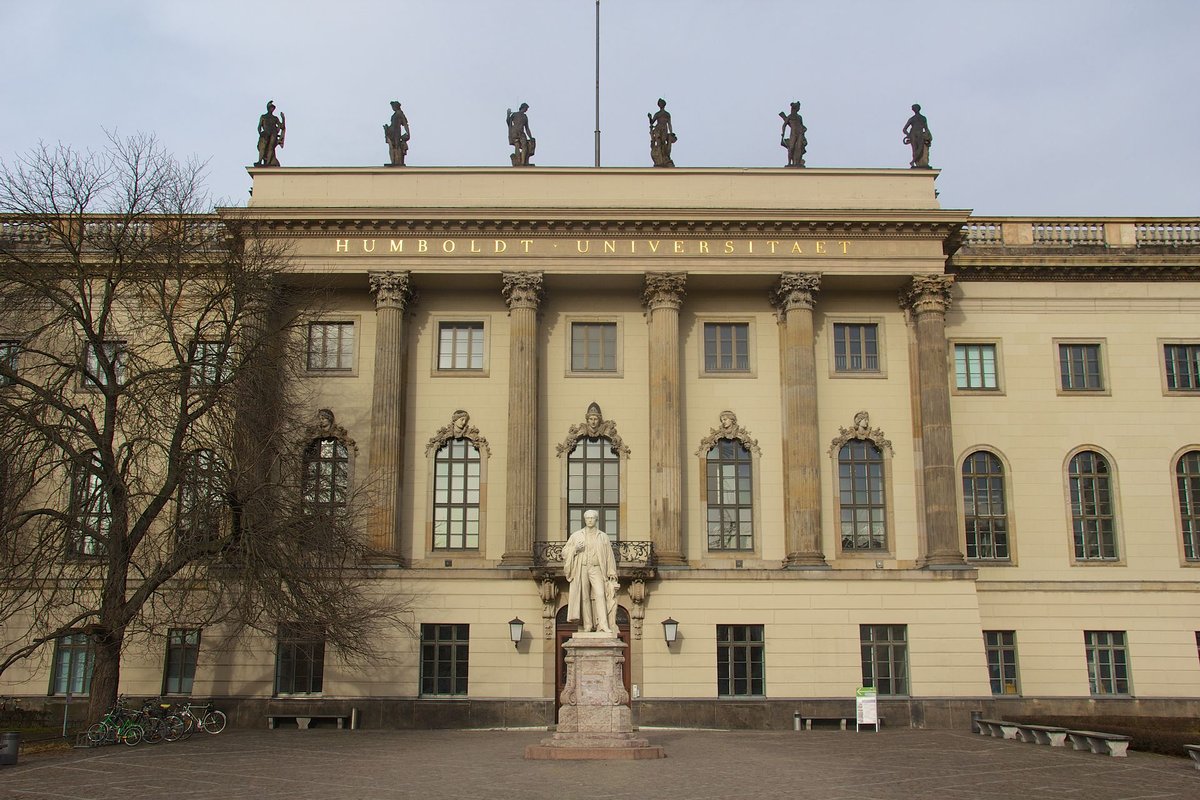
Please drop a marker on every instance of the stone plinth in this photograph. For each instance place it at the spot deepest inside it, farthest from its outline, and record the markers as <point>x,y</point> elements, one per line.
<point>594,721</point>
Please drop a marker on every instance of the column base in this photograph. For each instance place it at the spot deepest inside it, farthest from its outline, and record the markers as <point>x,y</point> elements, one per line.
<point>944,561</point>
<point>384,558</point>
<point>669,559</point>
<point>517,559</point>
<point>805,561</point>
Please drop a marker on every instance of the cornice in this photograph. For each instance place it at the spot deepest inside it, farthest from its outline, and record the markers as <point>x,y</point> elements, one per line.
<point>1126,264</point>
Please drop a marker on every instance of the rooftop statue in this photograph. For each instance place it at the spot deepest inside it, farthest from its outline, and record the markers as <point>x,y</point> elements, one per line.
<point>396,133</point>
<point>795,142</point>
<point>916,133</point>
<point>271,130</point>
<point>662,136</point>
<point>520,137</point>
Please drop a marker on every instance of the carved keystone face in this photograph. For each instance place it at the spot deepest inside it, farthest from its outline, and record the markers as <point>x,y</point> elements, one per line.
<point>593,424</point>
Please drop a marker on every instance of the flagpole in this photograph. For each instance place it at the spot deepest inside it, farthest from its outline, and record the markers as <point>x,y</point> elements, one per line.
<point>597,83</point>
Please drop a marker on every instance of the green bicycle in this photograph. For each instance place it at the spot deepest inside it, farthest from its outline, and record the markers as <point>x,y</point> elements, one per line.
<point>120,724</point>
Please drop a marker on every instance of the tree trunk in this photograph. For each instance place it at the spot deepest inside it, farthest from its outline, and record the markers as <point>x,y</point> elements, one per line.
<point>106,673</point>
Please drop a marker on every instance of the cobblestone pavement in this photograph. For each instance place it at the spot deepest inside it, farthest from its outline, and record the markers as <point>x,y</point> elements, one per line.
<point>432,765</point>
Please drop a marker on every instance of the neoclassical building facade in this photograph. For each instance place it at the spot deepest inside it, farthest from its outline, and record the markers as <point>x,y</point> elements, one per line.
<point>840,436</point>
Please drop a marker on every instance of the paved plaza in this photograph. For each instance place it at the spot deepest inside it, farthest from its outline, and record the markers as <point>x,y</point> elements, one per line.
<point>700,765</point>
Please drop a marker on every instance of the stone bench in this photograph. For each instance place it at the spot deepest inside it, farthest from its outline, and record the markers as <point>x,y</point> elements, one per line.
<point>997,728</point>
<point>1113,744</point>
<point>806,722</point>
<point>304,720</point>
<point>1193,750</point>
<point>1042,734</point>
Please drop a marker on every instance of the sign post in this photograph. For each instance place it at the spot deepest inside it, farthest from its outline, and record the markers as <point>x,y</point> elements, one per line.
<point>866,710</point>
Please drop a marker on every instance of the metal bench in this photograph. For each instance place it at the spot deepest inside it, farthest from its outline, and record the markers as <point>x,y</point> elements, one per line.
<point>1113,744</point>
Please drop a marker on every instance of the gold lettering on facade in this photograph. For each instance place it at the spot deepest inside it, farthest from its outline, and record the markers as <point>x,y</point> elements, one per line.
<point>773,244</point>
<point>751,243</point>
<point>475,247</point>
<point>343,246</point>
<point>821,248</point>
<point>845,247</point>
<point>704,247</point>
<point>422,245</point>
<point>527,243</point>
<point>796,247</point>
<point>653,246</point>
<point>370,249</point>
<point>583,245</point>
<point>500,246</point>
<point>728,247</point>
<point>610,246</point>
<point>678,246</point>
<point>447,245</point>
<point>773,247</point>
<point>396,246</point>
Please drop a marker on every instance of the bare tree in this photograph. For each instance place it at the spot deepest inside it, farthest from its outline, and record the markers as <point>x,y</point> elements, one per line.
<point>152,431</point>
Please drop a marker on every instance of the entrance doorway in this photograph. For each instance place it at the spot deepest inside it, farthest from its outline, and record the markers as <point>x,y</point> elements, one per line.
<point>564,630</point>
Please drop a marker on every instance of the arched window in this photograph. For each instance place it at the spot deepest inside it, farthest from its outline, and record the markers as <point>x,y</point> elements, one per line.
<point>1093,519</point>
<point>594,481</point>
<point>730,496</point>
<point>325,484</point>
<point>93,509</point>
<point>985,511</point>
<point>456,468</point>
<point>862,497</point>
<point>203,508</point>
<point>1187,482</point>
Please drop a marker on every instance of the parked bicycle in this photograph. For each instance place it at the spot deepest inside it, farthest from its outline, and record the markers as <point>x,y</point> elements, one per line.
<point>207,719</point>
<point>120,724</point>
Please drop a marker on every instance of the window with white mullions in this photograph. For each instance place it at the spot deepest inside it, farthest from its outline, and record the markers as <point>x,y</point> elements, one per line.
<point>456,487</point>
<point>460,346</point>
<point>594,482</point>
<point>975,366</point>
<point>730,496</point>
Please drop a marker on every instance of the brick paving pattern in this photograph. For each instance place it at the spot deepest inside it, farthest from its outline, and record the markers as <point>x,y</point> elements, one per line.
<point>700,765</point>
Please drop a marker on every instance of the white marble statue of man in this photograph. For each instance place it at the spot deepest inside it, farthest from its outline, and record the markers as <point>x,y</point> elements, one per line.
<point>592,571</point>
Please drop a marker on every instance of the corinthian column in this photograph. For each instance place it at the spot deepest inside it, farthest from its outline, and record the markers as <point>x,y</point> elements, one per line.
<point>928,299</point>
<point>801,451</point>
<point>663,296</point>
<point>392,295</point>
<point>523,294</point>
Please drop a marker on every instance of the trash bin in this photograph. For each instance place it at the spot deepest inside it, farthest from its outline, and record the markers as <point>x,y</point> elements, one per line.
<point>10,745</point>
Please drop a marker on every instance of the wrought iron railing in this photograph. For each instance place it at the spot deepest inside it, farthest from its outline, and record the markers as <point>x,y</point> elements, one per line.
<point>640,553</point>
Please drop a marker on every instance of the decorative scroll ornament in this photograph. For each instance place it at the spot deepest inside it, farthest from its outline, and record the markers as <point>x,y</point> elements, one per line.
<point>391,289</point>
<point>548,592</point>
<point>862,431</point>
<point>795,290</point>
<point>460,427</point>
<point>594,426</point>
<point>326,427</point>
<point>522,289</point>
<point>664,290</point>
<point>927,293</point>
<point>729,429</point>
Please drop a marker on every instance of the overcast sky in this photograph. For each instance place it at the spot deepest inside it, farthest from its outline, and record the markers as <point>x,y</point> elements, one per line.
<point>1048,107</point>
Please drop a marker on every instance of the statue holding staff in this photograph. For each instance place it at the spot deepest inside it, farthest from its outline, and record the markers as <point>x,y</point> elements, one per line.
<point>271,131</point>
<point>916,133</point>
<point>396,133</point>
<point>519,136</point>
<point>662,136</point>
<point>795,142</point>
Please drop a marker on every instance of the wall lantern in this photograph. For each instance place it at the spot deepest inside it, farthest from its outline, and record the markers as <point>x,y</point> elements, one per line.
<point>515,629</point>
<point>670,630</point>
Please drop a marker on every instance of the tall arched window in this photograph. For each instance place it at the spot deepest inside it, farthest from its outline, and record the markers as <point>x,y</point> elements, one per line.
<point>93,509</point>
<point>985,511</point>
<point>456,469</point>
<point>730,496</point>
<point>862,497</point>
<point>594,481</point>
<point>1093,519</point>
<point>203,508</point>
<point>325,484</point>
<point>1187,482</point>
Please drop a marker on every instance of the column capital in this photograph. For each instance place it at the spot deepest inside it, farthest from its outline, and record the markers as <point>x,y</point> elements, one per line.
<point>927,293</point>
<point>522,289</point>
<point>795,290</point>
<point>664,290</point>
<point>391,289</point>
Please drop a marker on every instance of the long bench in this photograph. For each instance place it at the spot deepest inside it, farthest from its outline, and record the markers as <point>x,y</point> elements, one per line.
<point>997,728</point>
<point>807,722</point>
<point>1113,744</point>
<point>1043,734</point>
<point>304,720</point>
<point>1193,750</point>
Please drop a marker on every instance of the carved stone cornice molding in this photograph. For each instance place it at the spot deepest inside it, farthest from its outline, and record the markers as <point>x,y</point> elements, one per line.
<point>927,293</point>
<point>861,431</point>
<point>795,290</point>
<point>522,289</point>
<point>664,290</point>
<point>326,427</point>
<point>729,429</point>
<point>594,426</point>
<point>460,427</point>
<point>391,289</point>
<point>978,268</point>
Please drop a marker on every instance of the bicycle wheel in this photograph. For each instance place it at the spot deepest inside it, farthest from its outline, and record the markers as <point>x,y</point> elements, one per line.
<point>214,722</point>
<point>132,735</point>
<point>97,732</point>
<point>153,729</point>
<point>189,726</point>
<point>173,728</point>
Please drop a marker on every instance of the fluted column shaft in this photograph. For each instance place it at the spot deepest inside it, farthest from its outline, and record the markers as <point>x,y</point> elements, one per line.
<point>523,294</point>
<point>392,295</point>
<point>801,449</point>
<point>663,297</point>
<point>928,299</point>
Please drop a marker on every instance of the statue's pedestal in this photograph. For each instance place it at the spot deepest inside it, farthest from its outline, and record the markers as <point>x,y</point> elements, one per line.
<point>594,721</point>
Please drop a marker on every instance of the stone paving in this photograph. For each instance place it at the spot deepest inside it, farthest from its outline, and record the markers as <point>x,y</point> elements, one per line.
<point>700,765</point>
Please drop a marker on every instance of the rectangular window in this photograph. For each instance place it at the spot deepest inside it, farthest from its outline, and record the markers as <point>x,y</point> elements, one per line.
<point>1107,662</point>
<point>331,346</point>
<point>456,496</point>
<point>73,657</point>
<point>460,346</point>
<point>726,347</point>
<point>102,363</point>
<point>1079,367</point>
<point>9,352</point>
<point>593,347</point>
<point>1001,647</point>
<point>855,347</point>
<point>207,363</point>
<point>594,482</point>
<point>445,656</point>
<point>179,669</point>
<point>885,658</point>
<point>741,668</point>
<point>1183,367</point>
<point>299,662</point>
<point>975,367</point>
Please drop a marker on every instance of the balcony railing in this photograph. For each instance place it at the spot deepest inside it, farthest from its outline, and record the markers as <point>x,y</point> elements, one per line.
<point>1070,232</point>
<point>626,553</point>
